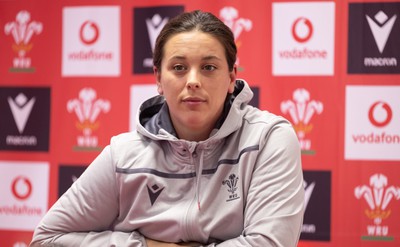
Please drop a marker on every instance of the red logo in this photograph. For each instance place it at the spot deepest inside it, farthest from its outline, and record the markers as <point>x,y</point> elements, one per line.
<point>21,188</point>
<point>382,111</point>
<point>89,32</point>
<point>302,29</point>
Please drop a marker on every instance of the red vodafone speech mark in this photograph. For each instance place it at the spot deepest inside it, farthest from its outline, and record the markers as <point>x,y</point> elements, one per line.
<point>18,194</point>
<point>92,25</point>
<point>306,22</point>
<point>385,107</point>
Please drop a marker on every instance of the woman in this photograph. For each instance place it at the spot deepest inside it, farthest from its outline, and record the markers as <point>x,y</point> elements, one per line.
<point>204,168</point>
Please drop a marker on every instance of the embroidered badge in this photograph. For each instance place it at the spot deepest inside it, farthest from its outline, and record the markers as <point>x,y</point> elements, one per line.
<point>231,182</point>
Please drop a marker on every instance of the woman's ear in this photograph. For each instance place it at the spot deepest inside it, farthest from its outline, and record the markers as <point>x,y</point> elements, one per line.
<point>232,76</point>
<point>157,74</point>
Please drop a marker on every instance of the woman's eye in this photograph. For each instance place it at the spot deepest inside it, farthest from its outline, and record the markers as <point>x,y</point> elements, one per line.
<point>209,67</point>
<point>179,67</point>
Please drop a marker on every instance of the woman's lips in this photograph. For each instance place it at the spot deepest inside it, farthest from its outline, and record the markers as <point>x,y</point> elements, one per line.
<point>193,100</point>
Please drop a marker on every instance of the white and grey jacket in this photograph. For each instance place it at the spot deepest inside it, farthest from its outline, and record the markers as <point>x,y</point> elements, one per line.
<point>243,186</point>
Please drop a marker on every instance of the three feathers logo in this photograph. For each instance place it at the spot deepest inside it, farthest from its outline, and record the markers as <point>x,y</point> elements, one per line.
<point>22,31</point>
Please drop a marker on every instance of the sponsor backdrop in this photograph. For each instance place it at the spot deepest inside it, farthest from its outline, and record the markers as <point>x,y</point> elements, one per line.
<point>72,74</point>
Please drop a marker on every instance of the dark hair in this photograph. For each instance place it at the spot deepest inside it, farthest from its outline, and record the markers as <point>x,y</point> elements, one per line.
<point>196,20</point>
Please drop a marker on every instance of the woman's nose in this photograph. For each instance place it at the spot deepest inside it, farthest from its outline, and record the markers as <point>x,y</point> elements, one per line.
<point>193,84</point>
<point>193,80</point>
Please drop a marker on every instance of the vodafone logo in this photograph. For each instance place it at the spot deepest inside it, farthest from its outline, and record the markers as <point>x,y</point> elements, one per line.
<point>91,42</point>
<point>303,40</point>
<point>20,244</point>
<point>380,114</point>
<point>24,198</point>
<point>372,123</point>
<point>302,29</point>
<point>89,32</point>
<point>21,187</point>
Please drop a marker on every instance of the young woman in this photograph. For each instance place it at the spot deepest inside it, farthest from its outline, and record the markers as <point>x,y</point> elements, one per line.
<point>204,168</point>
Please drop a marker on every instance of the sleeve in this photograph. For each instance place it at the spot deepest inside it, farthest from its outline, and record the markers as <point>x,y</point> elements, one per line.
<point>275,202</point>
<point>84,214</point>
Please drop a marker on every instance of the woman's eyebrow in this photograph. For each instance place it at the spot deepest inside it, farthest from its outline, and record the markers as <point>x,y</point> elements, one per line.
<point>206,58</point>
<point>211,57</point>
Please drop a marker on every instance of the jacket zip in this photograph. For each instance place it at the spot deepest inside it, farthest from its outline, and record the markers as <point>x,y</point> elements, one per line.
<point>192,210</point>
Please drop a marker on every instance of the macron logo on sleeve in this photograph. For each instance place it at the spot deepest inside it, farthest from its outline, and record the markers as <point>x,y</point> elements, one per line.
<point>154,192</point>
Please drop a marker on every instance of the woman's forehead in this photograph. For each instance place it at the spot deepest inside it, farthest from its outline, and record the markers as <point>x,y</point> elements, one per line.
<point>193,42</point>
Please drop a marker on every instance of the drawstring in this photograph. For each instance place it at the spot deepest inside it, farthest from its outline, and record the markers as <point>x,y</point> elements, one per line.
<point>198,178</point>
<point>192,149</point>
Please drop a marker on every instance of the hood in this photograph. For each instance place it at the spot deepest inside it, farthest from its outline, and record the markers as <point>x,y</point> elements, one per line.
<point>153,118</point>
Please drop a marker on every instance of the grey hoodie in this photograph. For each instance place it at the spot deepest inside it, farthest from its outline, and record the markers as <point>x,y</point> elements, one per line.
<point>243,186</point>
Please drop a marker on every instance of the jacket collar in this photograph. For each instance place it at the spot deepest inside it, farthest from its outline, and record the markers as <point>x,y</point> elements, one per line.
<point>154,120</point>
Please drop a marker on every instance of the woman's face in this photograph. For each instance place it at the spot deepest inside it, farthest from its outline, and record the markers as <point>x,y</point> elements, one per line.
<point>194,80</point>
